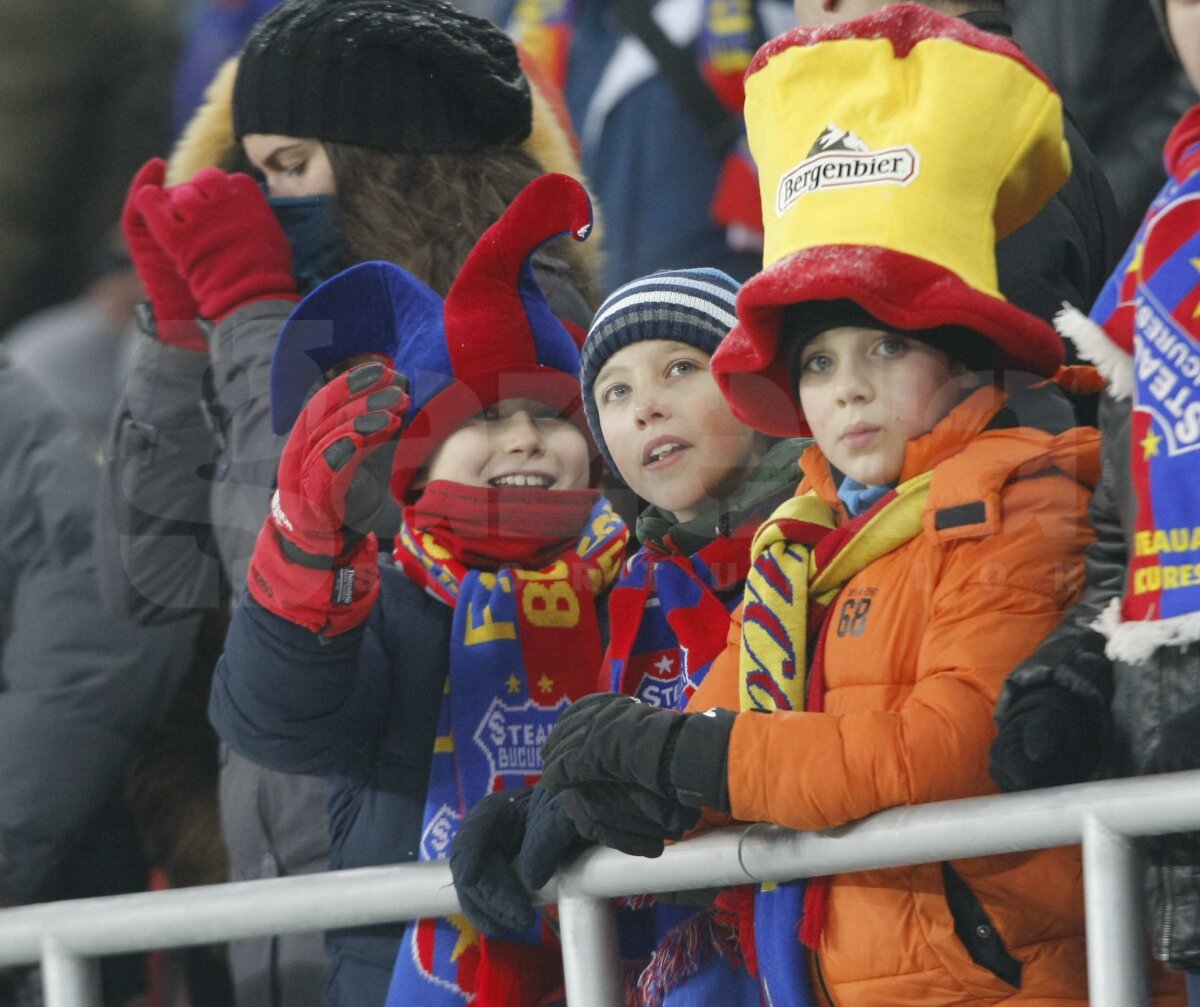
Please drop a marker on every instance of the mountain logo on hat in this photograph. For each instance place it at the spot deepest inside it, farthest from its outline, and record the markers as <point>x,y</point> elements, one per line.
<point>833,137</point>
<point>841,159</point>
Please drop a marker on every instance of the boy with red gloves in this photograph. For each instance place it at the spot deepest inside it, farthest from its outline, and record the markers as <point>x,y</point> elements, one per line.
<point>421,682</point>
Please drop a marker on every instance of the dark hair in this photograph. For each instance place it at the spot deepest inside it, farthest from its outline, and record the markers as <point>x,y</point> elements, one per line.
<point>800,323</point>
<point>964,6</point>
<point>426,211</point>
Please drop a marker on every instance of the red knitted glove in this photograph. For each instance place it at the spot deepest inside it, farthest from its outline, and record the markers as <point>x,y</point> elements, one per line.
<point>309,566</point>
<point>223,237</point>
<point>175,310</point>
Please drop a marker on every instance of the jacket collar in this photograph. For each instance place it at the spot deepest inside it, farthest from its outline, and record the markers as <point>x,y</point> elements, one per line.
<point>988,439</point>
<point>771,482</point>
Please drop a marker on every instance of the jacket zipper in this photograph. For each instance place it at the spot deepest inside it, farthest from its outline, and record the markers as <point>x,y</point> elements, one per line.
<point>1166,874</point>
<point>821,980</point>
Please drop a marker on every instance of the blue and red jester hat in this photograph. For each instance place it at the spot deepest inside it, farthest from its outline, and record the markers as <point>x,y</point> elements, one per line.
<point>494,337</point>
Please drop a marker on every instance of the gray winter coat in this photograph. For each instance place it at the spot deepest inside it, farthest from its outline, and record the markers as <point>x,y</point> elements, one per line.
<point>189,469</point>
<point>79,690</point>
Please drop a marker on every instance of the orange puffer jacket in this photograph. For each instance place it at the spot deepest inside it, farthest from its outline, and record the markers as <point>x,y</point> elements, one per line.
<point>918,648</point>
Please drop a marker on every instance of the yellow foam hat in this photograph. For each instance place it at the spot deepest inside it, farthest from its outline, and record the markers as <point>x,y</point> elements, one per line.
<point>893,152</point>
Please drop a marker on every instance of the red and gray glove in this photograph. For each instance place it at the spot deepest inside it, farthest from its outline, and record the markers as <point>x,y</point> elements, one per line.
<point>175,309</point>
<point>224,239</point>
<point>310,566</point>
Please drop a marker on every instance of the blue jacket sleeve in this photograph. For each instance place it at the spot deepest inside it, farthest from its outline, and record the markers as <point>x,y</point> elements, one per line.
<point>297,702</point>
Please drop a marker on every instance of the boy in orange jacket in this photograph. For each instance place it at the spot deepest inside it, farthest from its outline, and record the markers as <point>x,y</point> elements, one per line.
<point>936,537</point>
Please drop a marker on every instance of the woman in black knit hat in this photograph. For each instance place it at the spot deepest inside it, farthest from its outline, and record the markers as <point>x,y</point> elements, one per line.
<point>381,129</point>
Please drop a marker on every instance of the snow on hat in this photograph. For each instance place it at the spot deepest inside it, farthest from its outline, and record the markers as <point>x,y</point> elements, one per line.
<point>415,76</point>
<point>692,306</point>
<point>893,152</point>
<point>494,337</point>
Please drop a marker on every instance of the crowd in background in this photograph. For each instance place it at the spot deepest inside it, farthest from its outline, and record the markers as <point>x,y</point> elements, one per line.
<point>157,347</point>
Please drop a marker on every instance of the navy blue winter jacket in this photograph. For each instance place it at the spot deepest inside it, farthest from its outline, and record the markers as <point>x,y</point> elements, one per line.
<point>361,710</point>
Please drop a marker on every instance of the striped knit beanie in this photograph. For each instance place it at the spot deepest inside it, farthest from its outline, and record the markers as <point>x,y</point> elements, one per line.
<point>693,306</point>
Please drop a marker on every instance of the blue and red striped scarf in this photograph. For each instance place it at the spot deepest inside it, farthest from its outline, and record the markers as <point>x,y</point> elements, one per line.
<point>669,616</point>
<point>525,643</point>
<point>1144,336</point>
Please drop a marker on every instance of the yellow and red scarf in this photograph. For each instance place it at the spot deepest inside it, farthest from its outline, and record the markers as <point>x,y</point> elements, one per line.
<point>800,562</point>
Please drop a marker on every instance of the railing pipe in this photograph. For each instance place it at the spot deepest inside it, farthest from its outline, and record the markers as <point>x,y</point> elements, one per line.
<point>919,834</point>
<point>591,966</point>
<point>924,833</point>
<point>1116,935</point>
<point>69,980</point>
<point>216,913</point>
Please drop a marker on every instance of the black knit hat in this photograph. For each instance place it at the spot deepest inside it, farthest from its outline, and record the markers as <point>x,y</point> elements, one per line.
<point>413,76</point>
<point>692,306</point>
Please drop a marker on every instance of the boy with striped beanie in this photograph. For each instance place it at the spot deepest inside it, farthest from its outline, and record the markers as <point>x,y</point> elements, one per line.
<point>666,430</point>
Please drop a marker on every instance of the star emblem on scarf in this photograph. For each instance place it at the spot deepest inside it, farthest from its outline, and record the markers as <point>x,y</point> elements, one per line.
<point>664,664</point>
<point>467,935</point>
<point>546,683</point>
<point>1150,445</point>
<point>513,683</point>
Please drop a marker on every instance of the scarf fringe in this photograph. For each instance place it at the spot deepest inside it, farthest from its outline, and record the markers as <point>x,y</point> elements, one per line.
<point>681,953</point>
<point>1095,346</point>
<point>631,972</point>
<point>1136,642</point>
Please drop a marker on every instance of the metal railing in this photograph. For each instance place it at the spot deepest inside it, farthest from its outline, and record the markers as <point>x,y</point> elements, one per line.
<point>67,937</point>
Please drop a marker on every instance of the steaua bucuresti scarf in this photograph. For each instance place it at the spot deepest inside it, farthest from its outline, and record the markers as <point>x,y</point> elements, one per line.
<point>669,612</point>
<point>669,616</point>
<point>1142,335</point>
<point>525,643</point>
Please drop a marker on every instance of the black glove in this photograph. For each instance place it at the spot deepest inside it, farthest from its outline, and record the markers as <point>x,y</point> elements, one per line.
<point>509,845</point>
<point>1048,737</point>
<point>1179,744</point>
<point>609,738</point>
<point>627,818</point>
<point>550,839</point>
<point>489,891</point>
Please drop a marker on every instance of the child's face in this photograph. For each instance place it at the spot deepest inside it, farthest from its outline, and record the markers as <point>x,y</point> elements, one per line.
<point>866,393</point>
<point>517,442</point>
<point>669,429</point>
<point>1183,21</point>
